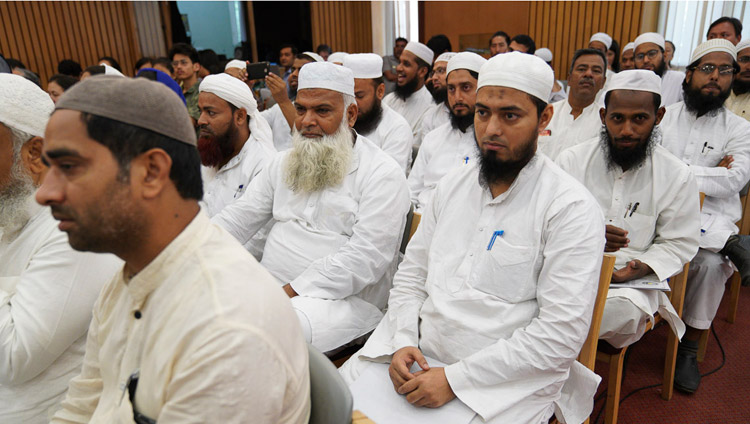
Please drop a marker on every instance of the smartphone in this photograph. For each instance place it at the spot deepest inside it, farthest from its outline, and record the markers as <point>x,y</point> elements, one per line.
<point>275,69</point>
<point>258,71</point>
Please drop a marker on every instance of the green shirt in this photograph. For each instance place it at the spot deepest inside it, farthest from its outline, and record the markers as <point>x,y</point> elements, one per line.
<point>191,98</point>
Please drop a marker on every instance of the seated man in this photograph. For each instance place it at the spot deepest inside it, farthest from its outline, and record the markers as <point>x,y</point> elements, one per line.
<point>179,332</point>
<point>235,143</point>
<point>452,144</point>
<point>439,112</point>
<point>500,278</point>
<point>376,121</point>
<point>340,206</point>
<point>716,144</point>
<point>47,289</point>
<point>649,199</point>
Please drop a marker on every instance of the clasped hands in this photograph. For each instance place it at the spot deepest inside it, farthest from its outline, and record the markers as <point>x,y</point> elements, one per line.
<point>428,387</point>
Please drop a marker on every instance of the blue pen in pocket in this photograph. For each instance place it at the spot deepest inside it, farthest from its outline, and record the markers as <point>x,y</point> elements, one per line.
<point>496,234</point>
<point>239,190</point>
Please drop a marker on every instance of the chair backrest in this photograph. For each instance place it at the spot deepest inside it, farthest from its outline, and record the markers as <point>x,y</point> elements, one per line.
<point>331,400</point>
<point>415,224</point>
<point>587,357</point>
<point>407,229</point>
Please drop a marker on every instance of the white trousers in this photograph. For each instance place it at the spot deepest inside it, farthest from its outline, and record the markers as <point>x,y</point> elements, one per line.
<point>705,287</point>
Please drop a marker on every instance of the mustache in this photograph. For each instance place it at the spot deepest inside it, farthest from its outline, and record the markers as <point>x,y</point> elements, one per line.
<point>61,212</point>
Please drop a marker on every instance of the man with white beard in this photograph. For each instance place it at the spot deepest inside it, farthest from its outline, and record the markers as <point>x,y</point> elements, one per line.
<point>375,120</point>
<point>452,144</point>
<point>340,206</point>
<point>47,289</point>
<point>235,143</point>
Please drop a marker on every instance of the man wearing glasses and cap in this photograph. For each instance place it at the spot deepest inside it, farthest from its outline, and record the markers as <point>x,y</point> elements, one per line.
<point>649,54</point>
<point>716,144</point>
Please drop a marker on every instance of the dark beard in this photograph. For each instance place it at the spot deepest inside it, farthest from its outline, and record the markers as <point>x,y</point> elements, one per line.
<point>493,170</point>
<point>370,120</point>
<point>461,123</point>
<point>661,69</point>
<point>627,159</point>
<point>740,87</point>
<point>440,96</point>
<point>700,104</point>
<point>218,149</point>
<point>404,91</point>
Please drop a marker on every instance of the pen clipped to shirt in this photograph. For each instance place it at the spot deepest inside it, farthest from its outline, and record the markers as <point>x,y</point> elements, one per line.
<point>631,208</point>
<point>239,191</point>
<point>495,235</point>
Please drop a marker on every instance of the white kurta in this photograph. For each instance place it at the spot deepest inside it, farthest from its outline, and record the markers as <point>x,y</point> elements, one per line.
<point>443,150</point>
<point>740,105</point>
<point>338,248</point>
<point>436,116</point>
<point>282,132</point>
<point>393,136</point>
<point>563,131</point>
<point>213,336</point>
<point>511,319</point>
<point>412,109</point>
<point>47,290</point>
<point>664,228</point>
<point>671,87</point>
<point>222,187</point>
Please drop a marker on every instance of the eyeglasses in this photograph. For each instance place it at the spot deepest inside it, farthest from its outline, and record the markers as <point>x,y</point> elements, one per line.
<point>708,69</point>
<point>743,59</point>
<point>651,54</point>
<point>439,71</point>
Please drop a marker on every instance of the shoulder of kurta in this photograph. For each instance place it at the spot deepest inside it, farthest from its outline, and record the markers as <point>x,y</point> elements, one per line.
<point>669,165</point>
<point>395,121</point>
<point>566,189</point>
<point>573,158</point>
<point>436,136</point>
<point>737,125</point>
<point>377,164</point>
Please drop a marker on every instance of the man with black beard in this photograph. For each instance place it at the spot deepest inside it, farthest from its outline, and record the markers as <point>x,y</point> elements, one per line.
<point>339,204</point>
<point>411,98</point>
<point>375,120</point>
<point>452,144</point>
<point>739,100</point>
<point>648,54</point>
<point>235,143</point>
<point>649,199</point>
<point>486,300</point>
<point>716,144</point>
<point>440,112</point>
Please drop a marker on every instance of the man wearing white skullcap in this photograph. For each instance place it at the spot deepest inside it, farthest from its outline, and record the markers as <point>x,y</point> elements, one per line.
<point>376,121</point>
<point>486,285</point>
<point>576,119</point>
<point>716,144</point>
<point>339,206</point>
<point>336,58</point>
<point>47,289</point>
<point>235,143</point>
<point>452,144</point>
<point>648,54</point>
<point>627,61</point>
<point>739,100</point>
<point>439,112</point>
<point>558,91</point>
<point>649,199</point>
<point>191,316</point>
<point>602,42</point>
<point>281,116</point>
<point>411,98</point>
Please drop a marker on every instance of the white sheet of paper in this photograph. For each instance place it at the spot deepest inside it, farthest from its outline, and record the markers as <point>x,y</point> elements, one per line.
<point>375,397</point>
<point>649,282</point>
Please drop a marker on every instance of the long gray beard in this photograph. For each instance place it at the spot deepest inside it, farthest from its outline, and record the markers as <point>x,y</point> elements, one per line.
<point>315,164</point>
<point>15,197</point>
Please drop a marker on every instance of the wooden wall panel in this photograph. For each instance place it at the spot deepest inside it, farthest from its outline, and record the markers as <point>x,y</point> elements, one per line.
<point>41,34</point>
<point>343,25</point>
<point>148,25</point>
<point>566,26</point>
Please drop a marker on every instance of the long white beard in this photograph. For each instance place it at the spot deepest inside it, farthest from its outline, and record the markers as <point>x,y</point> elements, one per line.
<point>14,198</point>
<point>317,163</point>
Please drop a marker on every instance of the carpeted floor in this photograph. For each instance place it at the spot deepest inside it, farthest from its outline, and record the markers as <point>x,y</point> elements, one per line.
<point>723,397</point>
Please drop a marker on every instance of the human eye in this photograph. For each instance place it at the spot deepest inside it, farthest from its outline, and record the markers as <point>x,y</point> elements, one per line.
<point>511,116</point>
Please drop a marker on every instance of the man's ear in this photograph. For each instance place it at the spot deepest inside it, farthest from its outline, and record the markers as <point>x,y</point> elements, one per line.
<point>351,114</point>
<point>660,115</point>
<point>422,73</point>
<point>31,157</point>
<point>149,173</point>
<point>545,117</point>
<point>196,67</point>
<point>240,117</point>
<point>380,91</point>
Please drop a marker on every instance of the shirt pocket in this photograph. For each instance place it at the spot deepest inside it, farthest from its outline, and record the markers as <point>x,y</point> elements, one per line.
<point>641,230</point>
<point>505,272</point>
<point>337,213</point>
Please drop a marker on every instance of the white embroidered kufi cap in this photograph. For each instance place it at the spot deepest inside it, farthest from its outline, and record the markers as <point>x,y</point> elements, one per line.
<point>635,79</point>
<point>544,53</point>
<point>420,50</point>
<point>521,71</point>
<point>715,45</point>
<point>327,76</point>
<point>603,38</point>
<point>235,63</point>
<point>466,60</point>
<point>337,57</point>
<point>365,65</point>
<point>445,57</point>
<point>23,105</point>
<point>314,56</point>
<point>649,37</point>
<point>629,46</point>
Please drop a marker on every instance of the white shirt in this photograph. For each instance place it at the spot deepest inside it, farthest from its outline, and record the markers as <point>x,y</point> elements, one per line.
<point>47,290</point>
<point>216,341</point>
<point>393,136</point>
<point>671,87</point>
<point>334,243</point>
<point>282,132</point>
<point>436,116</point>
<point>702,143</point>
<point>563,131</point>
<point>443,150</point>
<point>510,320</point>
<point>740,105</point>
<point>413,109</point>
<point>222,187</point>
<point>557,96</point>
